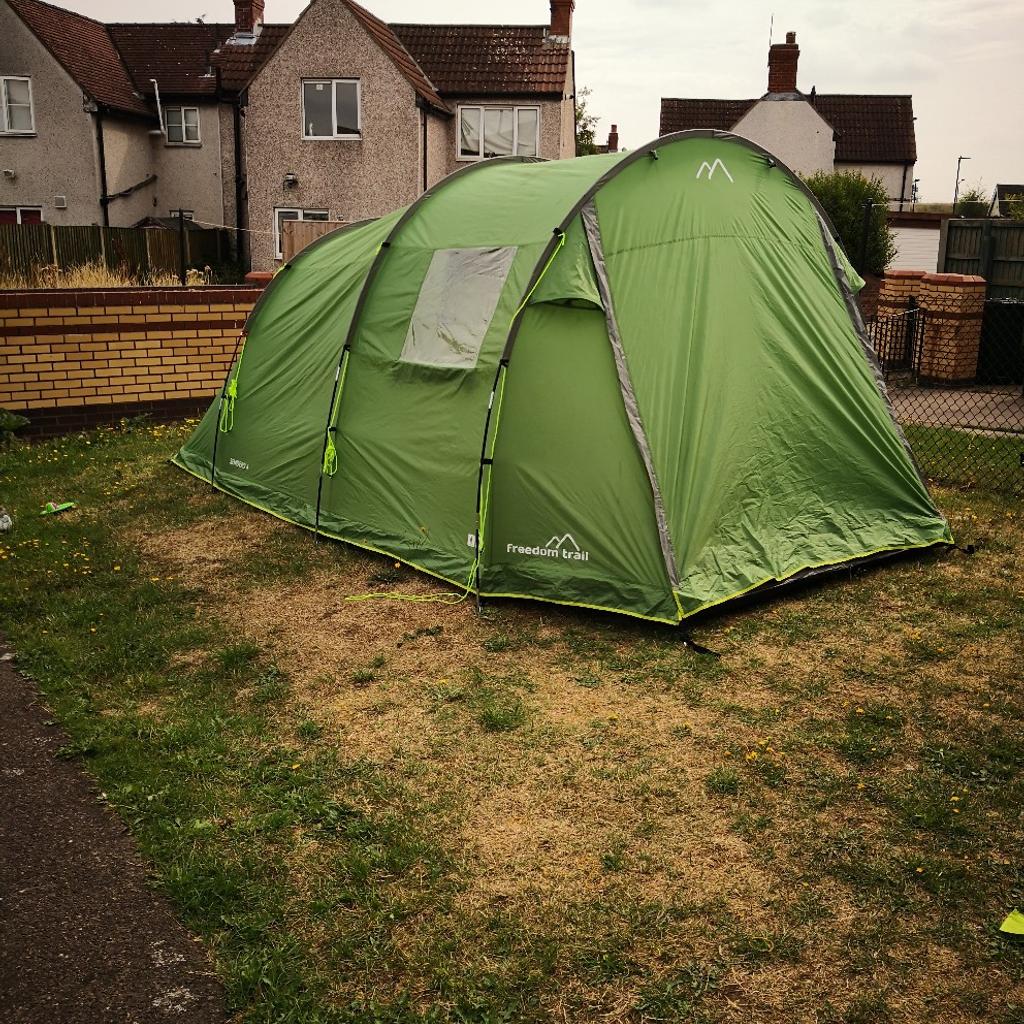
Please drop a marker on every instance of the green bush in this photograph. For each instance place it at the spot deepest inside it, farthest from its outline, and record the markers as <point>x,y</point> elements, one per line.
<point>843,194</point>
<point>973,202</point>
<point>1015,206</point>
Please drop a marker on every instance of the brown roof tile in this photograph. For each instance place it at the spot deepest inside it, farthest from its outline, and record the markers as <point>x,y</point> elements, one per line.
<point>85,50</point>
<point>868,129</point>
<point>239,63</point>
<point>486,60</point>
<point>386,39</point>
<point>184,57</point>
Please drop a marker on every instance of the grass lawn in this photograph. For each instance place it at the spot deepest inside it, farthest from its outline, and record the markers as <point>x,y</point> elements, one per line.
<point>386,811</point>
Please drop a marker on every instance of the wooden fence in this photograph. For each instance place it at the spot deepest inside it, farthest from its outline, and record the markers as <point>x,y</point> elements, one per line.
<point>297,234</point>
<point>26,248</point>
<point>992,249</point>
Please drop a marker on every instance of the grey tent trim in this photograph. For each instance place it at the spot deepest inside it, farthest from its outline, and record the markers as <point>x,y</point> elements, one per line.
<point>593,232</point>
<point>843,283</point>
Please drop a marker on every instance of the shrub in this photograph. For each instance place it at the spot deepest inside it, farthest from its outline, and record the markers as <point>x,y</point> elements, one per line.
<point>843,194</point>
<point>973,202</point>
<point>1015,206</point>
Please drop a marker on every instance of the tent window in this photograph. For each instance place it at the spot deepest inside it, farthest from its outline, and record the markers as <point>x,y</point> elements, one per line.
<point>456,304</point>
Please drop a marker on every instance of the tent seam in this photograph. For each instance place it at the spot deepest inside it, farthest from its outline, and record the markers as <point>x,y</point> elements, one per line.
<point>626,391</point>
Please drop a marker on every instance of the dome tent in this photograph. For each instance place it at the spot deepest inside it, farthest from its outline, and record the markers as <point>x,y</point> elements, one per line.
<point>633,382</point>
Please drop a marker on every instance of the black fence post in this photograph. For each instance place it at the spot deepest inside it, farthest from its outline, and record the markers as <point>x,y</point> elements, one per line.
<point>182,270</point>
<point>865,229</point>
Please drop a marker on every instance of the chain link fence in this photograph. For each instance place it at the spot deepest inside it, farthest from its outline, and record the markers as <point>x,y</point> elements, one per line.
<point>962,411</point>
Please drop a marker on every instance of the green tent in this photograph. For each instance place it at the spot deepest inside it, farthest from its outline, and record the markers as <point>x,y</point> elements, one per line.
<point>635,382</point>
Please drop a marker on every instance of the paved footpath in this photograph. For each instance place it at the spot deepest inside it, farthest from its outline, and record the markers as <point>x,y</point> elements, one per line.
<point>83,938</point>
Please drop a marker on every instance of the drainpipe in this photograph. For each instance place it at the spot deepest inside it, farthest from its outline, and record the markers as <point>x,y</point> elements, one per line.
<point>903,186</point>
<point>241,220</point>
<point>102,154</point>
<point>424,149</point>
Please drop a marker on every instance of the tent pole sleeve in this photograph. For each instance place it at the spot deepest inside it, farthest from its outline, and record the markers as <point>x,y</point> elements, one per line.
<point>223,399</point>
<point>248,326</point>
<point>593,232</point>
<point>371,275</point>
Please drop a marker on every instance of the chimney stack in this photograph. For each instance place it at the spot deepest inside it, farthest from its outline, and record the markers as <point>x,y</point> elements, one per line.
<point>613,139</point>
<point>248,16</point>
<point>782,60</point>
<point>561,18</point>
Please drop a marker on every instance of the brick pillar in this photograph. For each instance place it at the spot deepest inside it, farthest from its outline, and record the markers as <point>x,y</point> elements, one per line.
<point>898,288</point>
<point>953,305</point>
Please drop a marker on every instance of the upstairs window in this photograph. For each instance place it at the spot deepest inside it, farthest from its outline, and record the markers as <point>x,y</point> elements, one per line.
<point>16,117</point>
<point>498,131</point>
<point>182,124</point>
<point>330,108</point>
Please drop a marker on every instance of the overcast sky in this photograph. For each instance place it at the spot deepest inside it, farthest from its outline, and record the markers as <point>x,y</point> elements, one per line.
<point>963,62</point>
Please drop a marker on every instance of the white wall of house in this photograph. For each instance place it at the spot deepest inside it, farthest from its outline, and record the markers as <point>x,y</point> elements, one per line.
<point>916,248</point>
<point>60,158</point>
<point>891,176</point>
<point>793,130</point>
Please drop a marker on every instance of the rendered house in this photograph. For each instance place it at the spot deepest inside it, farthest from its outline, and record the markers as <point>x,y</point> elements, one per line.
<point>336,117</point>
<point>813,131</point>
<point>351,117</point>
<point>83,139</point>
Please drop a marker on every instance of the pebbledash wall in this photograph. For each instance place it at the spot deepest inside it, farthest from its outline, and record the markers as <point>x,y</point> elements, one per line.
<point>77,358</point>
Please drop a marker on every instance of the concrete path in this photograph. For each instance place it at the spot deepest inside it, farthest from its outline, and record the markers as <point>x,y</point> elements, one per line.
<point>83,938</point>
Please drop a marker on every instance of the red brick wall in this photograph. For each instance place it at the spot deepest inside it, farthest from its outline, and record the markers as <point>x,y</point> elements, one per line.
<point>72,357</point>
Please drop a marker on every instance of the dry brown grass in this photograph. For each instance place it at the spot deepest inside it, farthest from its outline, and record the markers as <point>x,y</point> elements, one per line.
<point>96,275</point>
<point>598,798</point>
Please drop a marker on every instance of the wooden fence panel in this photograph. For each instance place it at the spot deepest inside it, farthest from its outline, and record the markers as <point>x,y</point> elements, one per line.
<point>75,245</point>
<point>298,234</point>
<point>24,248</point>
<point>163,249</point>
<point>125,249</point>
<point>993,249</point>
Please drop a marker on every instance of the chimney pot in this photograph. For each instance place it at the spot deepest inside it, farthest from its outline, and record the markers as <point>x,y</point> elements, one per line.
<point>561,18</point>
<point>782,62</point>
<point>248,15</point>
<point>613,139</point>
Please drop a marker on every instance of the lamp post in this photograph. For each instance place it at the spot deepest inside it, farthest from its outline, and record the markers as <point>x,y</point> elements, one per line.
<point>956,190</point>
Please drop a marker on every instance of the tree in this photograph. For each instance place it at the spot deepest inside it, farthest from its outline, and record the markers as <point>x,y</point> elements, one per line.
<point>586,124</point>
<point>851,200</point>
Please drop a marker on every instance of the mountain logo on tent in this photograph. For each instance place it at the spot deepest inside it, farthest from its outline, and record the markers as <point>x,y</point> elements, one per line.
<point>564,547</point>
<point>711,168</point>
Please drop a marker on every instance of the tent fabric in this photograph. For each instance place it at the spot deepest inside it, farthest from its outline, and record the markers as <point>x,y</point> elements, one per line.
<point>631,382</point>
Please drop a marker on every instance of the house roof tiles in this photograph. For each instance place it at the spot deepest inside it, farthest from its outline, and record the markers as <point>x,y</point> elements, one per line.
<point>116,63</point>
<point>84,49</point>
<point>486,60</point>
<point>868,129</point>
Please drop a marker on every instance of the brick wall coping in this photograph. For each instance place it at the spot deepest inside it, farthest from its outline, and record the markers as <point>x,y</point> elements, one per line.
<point>953,279</point>
<point>31,298</point>
<point>903,274</point>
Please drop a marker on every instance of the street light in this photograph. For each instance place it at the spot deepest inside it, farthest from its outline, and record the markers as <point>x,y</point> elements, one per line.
<point>959,180</point>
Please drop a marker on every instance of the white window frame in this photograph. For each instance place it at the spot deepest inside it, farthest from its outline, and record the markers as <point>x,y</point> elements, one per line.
<point>19,210</point>
<point>4,128</point>
<point>302,215</point>
<point>348,137</point>
<point>184,140</point>
<point>492,106</point>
